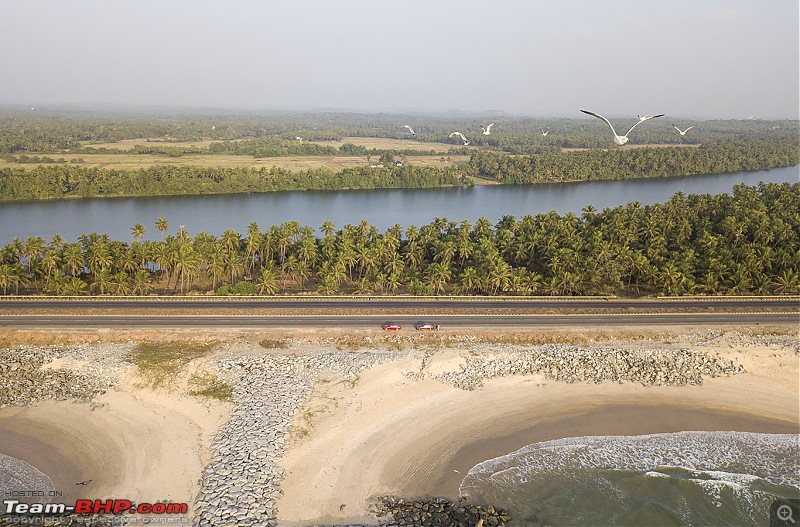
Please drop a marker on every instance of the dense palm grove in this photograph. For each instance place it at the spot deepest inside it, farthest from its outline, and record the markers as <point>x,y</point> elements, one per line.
<point>60,181</point>
<point>747,242</point>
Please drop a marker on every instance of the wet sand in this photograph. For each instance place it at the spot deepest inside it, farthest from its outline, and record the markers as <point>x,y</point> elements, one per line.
<point>391,435</point>
<point>614,420</point>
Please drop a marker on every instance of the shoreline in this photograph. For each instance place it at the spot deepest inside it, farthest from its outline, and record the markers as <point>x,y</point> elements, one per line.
<point>18,440</point>
<point>614,420</point>
<point>405,437</point>
<point>319,430</point>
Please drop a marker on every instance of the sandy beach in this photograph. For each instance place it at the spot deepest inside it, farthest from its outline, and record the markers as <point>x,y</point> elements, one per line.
<point>391,429</point>
<point>131,443</point>
<point>395,436</point>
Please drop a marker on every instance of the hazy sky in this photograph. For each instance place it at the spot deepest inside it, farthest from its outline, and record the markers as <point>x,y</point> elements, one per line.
<point>686,58</point>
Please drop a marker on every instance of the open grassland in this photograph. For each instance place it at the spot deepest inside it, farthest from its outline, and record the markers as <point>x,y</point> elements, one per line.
<point>378,143</point>
<point>388,143</point>
<point>127,144</point>
<point>295,163</point>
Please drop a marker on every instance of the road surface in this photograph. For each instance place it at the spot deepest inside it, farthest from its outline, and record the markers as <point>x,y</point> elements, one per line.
<point>470,312</point>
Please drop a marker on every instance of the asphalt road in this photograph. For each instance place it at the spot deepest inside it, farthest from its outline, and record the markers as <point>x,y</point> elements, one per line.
<point>447,321</point>
<point>561,312</point>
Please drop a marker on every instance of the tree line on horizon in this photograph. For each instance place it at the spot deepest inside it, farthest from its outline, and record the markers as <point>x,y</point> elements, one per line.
<point>61,180</point>
<point>273,133</point>
<point>747,242</point>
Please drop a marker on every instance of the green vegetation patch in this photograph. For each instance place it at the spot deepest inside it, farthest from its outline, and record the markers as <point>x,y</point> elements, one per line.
<point>160,362</point>
<point>206,384</point>
<point>272,344</point>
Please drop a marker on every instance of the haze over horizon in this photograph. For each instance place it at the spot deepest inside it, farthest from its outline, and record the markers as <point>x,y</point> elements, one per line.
<point>707,59</point>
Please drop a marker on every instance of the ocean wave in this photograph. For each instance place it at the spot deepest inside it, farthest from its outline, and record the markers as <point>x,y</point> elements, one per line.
<point>16,475</point>
<point>771,457</point>
<point>674,478</point>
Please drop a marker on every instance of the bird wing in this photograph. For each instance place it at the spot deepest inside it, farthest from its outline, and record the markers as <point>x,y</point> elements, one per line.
<point>602,119</point>
<point>688,129</point>
<point>643,119</point>
<point>489,127</point>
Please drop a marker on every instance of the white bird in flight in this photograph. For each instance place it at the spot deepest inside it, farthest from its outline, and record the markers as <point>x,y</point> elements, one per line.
<point>682,132</point>
<point>459,134</point>
<point>545,132</point>
<point>298,138</point>
<point>487,130</point>
<point>409,129</point>
<point>622,139</point>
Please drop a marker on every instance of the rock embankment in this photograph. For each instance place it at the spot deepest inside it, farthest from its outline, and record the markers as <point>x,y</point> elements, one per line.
<point>29,374</point>
<point>650,367</point>
<point>242,482</point>
<point>440,512</point>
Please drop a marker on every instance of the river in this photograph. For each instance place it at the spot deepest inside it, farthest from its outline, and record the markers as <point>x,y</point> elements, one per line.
<point>381,207</point>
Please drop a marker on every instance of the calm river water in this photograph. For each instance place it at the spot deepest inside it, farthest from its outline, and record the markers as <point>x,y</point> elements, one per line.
<point>382,208</point>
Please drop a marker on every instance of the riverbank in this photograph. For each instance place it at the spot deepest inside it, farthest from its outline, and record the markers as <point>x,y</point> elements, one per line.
<point>382,208</point>
<point>322,423</point>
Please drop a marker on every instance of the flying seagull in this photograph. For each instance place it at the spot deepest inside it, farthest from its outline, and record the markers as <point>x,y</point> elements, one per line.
<point>459,134</point>
<point>487,130</point>
<point>298,138</point>
<point>682,132</point>
<point>545,132</point>
<point>622,139</point>
<point>409,129</point>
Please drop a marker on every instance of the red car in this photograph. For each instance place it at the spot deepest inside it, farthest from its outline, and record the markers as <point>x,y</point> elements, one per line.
<point>422,326</point>
<point>391,326</point>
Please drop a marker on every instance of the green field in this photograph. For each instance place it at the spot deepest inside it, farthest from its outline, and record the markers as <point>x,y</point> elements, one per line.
<point>127,161</point>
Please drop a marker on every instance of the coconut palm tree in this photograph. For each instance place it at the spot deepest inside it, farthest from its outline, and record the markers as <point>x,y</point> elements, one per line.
<point>102,281</point>
<point>50,266</point>
<point>162,225</point>
<point>141,284</point>
<point>327,285</point>
<point>187,267</point>
<point>32,250</point>
<point>788,282</point>
<point>57,242</point>
<point>138,231</point>
<point>73,286</point>
<point>267,283</point>
<point>11,275</point>
<point>215,264</point>
<point>73,259</point>
<point>120,284</point>
<point>438,274</point>
<point>327,228</point>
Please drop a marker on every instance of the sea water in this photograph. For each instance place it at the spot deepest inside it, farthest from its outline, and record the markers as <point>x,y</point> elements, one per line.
<point>22,481</point>
<point>684,478</point>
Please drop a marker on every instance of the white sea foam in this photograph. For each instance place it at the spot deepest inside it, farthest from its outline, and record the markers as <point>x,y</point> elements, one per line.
<point>735,458</point>
<point>18,476</point>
